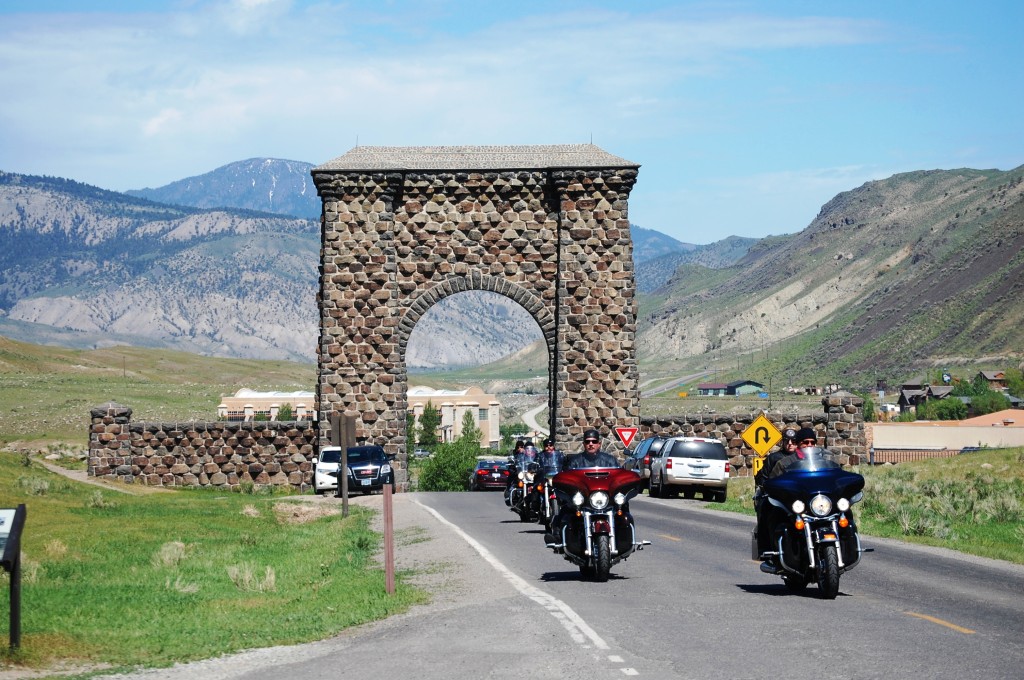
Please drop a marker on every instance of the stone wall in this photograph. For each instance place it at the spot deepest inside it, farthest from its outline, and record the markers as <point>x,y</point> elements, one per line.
<point>840,428</point>
<point>217,454</point>
<point>227,454</point>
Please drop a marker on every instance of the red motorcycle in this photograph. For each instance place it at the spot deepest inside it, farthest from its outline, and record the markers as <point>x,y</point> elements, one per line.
<point>594,528</point>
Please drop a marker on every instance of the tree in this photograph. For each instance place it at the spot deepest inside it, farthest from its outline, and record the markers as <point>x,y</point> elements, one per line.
<point>511,432</point>
<point>989,402</point>
<point>430,420</point>
<point>1015,382</point>
<point>285,412</point>
<point>470,432</point>
<point>450,467</point>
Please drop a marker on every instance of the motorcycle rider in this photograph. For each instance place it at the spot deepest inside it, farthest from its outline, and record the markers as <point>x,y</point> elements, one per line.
<point>767,518</point>
<point>591,457</point>
<point>551,460</point>
<point>513,459</point>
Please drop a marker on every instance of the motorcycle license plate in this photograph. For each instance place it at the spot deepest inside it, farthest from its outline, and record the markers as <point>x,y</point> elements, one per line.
<point>364,482</point>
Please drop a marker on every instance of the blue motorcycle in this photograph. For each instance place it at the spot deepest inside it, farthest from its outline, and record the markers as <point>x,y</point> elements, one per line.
<point>813,533</point>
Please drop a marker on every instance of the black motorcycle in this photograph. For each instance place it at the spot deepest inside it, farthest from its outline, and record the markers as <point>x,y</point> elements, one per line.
<point>522,493</point>
<point>813,533</point>
<point>545,501</point>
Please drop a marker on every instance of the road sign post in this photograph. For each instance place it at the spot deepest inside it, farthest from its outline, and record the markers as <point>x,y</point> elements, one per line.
<point>12,521</point>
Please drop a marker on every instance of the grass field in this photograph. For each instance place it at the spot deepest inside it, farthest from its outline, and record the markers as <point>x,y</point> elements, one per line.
<point>152,579</point>
<point>46,393</point>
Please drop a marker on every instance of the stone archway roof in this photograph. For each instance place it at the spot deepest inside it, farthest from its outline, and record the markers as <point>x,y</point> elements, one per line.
<point>475,158</point>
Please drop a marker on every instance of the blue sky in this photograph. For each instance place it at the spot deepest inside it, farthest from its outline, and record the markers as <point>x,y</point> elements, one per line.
<point>745,116</point>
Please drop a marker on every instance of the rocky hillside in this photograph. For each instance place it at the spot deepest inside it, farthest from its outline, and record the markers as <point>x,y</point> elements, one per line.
<point>85,267</point>
<point>917,269</point>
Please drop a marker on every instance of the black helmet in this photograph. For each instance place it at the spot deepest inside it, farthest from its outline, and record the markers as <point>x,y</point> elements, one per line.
<point>520,443</point>
<point>592,434</point>
<point>549,442</point>
<point>789,434</point>
<point>806,433</point>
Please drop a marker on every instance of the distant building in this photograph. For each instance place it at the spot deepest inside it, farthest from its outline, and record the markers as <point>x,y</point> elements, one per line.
<point>249,405</point>
<point>452,405</point>
<point>733,389</point>
<point>996,379</point>
<point>712,389</point>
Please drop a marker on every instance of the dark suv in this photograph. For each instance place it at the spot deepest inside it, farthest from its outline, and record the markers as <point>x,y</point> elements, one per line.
<point>369,469</point>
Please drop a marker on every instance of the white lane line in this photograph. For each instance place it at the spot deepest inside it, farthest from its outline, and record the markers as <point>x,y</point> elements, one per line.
<point>570,620</point>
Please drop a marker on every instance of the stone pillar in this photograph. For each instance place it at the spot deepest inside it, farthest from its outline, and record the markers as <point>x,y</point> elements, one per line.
<point>109,440</point>
<point>844,433</point>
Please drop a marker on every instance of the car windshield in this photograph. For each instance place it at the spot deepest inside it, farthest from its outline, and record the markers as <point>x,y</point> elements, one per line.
<point>330,456</point>
<point>365,454</point>
<point>810,459</point>
<point>708,450</point>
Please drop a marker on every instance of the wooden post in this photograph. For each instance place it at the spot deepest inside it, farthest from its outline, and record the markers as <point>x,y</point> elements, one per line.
<point>389,542</point>
<point>344,427</point>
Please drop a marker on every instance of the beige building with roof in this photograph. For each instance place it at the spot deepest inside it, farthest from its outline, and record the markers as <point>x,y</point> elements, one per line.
<point>453,405</point>
<point>249,405</point>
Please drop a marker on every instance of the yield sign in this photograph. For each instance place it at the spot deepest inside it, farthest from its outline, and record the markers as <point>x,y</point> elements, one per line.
<point>626,434</point>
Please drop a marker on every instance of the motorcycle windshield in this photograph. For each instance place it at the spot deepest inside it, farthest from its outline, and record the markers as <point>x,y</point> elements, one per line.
<point>811,459</point>
<point>811,471</point>
<point>551,462</point>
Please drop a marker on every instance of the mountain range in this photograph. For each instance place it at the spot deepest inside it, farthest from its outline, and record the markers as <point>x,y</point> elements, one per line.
<point>889,277</point>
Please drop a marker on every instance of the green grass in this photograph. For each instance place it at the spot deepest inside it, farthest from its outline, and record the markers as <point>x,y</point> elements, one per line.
<point>971,503</point>
<point>46,393</point>
<point>172,576</point>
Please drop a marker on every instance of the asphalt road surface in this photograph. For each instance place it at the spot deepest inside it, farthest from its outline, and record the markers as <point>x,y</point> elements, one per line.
<point>692,605</point>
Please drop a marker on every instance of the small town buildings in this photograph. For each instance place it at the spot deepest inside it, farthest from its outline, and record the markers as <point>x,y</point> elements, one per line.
<point>734,389</point>
<point>249,405</point>
<point>453,405</point>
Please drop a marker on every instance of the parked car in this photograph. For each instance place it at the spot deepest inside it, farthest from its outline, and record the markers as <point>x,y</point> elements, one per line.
<point>369,469</point>
<point>640,460</point>
<point>421,453</point>
<point>489,474</point>
<point>689,465</point>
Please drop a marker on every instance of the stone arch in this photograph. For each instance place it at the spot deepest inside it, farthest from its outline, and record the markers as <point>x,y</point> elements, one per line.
<point>422,302</point>
<point>546,226</point>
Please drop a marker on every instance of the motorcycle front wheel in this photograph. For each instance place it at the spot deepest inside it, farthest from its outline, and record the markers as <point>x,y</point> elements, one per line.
<point>828,572</point>
<point>602,558</point>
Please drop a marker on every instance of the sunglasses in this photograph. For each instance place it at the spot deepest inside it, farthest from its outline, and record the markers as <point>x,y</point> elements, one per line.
<point>591,441</point>
<point>808,441</point>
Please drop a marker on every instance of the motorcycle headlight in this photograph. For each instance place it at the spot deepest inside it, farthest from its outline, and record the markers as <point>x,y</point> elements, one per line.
<point>620,498</point>
<point>798,507</point>
<point>599,500</point>
<point>521,475</point>
<point>578,499</point>
<point>821,505</point>
<point>843,504</point>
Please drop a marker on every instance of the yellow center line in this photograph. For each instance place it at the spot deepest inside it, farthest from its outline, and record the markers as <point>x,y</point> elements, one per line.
<point>947,624</point>
<point>671,538</point>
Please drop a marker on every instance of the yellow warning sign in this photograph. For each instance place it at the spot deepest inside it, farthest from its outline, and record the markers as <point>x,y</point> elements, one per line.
<point>761,435</point>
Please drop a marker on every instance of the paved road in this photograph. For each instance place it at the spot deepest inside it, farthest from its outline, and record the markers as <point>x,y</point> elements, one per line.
<point>693,605</point>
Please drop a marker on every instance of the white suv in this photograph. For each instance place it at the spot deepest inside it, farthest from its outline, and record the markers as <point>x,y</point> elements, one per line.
<point>690,464</point>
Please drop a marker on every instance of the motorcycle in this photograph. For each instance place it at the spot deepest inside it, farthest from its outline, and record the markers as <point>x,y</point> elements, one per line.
<point>544,499</point>
<point>813,532</point>
<point>595,527</point>
<point>522,496</point>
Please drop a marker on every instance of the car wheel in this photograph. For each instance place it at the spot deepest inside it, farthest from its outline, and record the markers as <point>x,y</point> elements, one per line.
<point>722,496</point>
<point>317,492</point>
<point>652,490</point>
